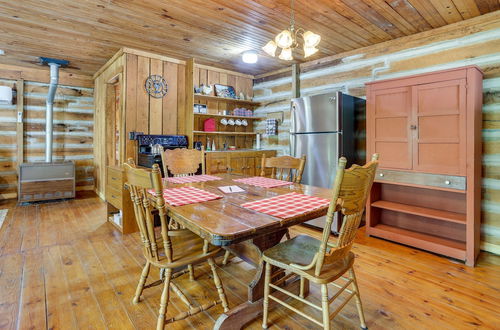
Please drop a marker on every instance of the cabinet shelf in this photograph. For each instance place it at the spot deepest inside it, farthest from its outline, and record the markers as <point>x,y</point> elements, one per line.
<point>440,245</point>
<point>224,99</point>
<point>421,211</point>
<point>227,116</point>
<point>223,133</point>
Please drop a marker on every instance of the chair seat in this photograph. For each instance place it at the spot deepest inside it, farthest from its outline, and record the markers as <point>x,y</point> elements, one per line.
<point>188,249</point>
<point>301,250</point>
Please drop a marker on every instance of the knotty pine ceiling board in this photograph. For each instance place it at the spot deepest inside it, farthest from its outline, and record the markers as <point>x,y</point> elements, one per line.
<point>215,32</point>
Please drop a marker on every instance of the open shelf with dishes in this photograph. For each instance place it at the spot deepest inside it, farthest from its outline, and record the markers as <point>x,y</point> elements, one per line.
<point>225,122</point>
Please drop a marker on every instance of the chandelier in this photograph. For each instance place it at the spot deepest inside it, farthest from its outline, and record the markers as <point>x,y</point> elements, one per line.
<point>288,40</point>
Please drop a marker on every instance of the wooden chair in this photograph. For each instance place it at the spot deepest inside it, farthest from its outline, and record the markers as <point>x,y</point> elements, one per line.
<point>168,249</point>
<point>284,168</point>
<point>320,261</point>
<point>183,162</point>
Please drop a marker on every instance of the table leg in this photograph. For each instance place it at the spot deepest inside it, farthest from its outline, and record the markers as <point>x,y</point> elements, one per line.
<point>251,252</point>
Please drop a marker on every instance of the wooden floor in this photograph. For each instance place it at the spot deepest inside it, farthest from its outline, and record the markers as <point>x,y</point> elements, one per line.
<point>62,266</point>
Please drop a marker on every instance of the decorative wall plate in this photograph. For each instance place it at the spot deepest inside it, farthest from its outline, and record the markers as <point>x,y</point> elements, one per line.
<point>156,86</point>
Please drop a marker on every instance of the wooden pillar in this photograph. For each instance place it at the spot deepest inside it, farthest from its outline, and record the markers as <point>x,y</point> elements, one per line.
<point>295,80</point>
<point>188,110</point>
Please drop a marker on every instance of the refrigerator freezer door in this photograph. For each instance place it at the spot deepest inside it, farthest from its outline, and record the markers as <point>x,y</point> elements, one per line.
<point>316,113</point>
<point>322,152</point>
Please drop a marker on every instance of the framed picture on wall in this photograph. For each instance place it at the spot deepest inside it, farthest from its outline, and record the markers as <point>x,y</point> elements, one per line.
<point>225,91</point>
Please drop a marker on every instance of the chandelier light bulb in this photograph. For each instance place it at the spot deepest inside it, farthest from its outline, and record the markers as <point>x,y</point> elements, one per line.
<point>284,39</point>
<point>270,48</point>
<point>311,39</point>
<point>308,51</point>
<point>286,54</point>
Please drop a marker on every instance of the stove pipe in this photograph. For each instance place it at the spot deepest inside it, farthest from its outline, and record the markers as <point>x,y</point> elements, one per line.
<point>54,65</point>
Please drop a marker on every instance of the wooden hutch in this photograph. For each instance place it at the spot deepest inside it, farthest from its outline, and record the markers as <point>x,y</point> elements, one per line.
<point>427,129</point>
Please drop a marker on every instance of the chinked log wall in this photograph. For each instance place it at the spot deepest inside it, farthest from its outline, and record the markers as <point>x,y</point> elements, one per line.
<point>475,41</point>
<point>73,125</point>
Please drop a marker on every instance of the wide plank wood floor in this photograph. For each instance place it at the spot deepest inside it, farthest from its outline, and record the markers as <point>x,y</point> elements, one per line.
<point>63,267</point>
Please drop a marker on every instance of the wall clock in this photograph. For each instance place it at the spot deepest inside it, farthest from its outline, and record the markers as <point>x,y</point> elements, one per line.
<point>156,86</point>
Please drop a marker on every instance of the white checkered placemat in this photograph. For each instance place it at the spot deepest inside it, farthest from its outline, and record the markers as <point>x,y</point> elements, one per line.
<point>193,178</point>
<point>264,182</point>
<point>186,195</point>
<point>287,205</point>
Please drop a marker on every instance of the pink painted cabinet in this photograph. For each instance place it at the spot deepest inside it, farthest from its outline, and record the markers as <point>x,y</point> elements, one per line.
<point>427,130</point>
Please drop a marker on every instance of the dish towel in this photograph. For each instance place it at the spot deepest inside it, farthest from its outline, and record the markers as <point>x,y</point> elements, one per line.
<point>287,205</point>
<point>272,126</point>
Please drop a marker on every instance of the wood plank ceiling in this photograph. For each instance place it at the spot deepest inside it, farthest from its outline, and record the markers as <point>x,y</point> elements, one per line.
<point>216,32</point>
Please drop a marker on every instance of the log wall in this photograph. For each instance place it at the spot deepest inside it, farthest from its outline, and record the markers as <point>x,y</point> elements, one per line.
<point>73,125</point>
<point>472,42</point>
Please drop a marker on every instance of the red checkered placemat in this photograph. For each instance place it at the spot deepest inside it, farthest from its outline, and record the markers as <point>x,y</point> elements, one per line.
<point>193,178</point>
<point>260,181</point>
<point>186,195</point>
<point>287,205</point>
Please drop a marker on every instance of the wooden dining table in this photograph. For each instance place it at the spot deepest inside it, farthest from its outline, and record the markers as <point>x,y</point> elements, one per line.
<point>244,232</point>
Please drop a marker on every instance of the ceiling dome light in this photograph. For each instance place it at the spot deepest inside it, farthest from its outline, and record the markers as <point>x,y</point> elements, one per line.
<point>270,48</point>
<point>284,39</point>
<point>308,51</point>
<point>311,39</point>
<point>286,54</point>
<point>250,56</point>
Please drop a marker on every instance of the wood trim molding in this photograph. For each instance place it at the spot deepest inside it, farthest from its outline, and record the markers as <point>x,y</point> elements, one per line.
<point>20,124</point>
<point>139,52</point>
<point>42,75</point>
<point>108,63</point>
<point>234,73</point>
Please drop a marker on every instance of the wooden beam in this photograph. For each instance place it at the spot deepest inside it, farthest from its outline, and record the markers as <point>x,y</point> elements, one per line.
<point>295,80</point>
<point>42,75</point>
<point>188,107</point>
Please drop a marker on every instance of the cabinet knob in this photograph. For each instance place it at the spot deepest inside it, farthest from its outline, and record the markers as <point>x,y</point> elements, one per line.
<point>447,182</point>
<point>381,174</point>
<point>413,126</point>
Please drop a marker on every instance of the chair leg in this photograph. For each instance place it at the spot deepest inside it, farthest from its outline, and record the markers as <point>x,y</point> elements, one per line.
<point>358,299</point>
<point>191,272</point>
<point>302,287</point>
<point>287,234</point>
<point>142,282</point>
<point>164,301</point>
<point>325,307</point>
<point>226,257</point>
<point>218,285</point>
<point>267,279</point>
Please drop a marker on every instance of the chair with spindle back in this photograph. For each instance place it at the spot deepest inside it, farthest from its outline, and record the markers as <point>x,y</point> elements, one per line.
<point>183,162</point>
<point>167,249</point>
<point>320,261</point>
<point>284,167</point>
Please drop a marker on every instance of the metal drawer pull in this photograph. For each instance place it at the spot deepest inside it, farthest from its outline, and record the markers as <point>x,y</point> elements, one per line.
<point>381,174</point>
<point>447,182</point>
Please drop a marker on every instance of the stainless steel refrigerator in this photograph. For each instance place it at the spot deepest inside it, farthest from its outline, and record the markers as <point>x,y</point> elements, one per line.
<point>323,127</point>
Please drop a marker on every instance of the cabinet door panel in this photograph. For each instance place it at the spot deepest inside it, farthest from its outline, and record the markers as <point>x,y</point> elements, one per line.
<point>388,130</point>
<point>439,114</point>
<point>216,165</point>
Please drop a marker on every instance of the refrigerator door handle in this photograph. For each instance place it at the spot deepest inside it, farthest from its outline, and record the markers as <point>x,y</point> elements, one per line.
<point>292,118</point>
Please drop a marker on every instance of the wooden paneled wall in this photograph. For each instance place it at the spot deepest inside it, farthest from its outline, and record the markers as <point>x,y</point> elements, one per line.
<point>141,112</point>
<point>73,125</point>
<point>475,41</point>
